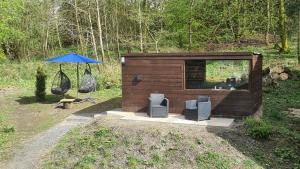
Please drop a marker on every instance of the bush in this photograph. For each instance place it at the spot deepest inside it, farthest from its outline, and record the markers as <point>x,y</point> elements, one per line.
<point>40,84</point>
<point>110,76</point>
<point>258,129</point>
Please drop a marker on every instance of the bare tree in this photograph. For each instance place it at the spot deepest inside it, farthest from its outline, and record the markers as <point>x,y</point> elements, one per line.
<point>117,30</point>
<point>106,30</point>
<point>268,22</point>
<point>298,41</point>
<point>78,26</point>
<point>190,23</point>
<point>100,30</point>
<point>140,27</point>
<point>57,32</point>
<point>92,33</point>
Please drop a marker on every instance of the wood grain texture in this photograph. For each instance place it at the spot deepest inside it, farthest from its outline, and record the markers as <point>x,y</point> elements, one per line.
<point>165,73</point>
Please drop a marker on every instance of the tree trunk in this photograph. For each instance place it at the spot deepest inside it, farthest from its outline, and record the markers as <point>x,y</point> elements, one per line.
<point>58,36</point>
<point>100,30</point>
<point>78,26</point>
<point>156,46</point>
<point>268,23</point>
<point>93,37</point>
<point>140,27</point>
<point>106,32</point>
<point>190,24</point>
<point>283,27</point>
<point>190,35</point>
<point>298,39</point>
<point>117,32</point>
<point>46,41</point>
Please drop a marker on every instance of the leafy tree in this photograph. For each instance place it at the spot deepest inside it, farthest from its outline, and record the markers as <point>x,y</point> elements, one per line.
<point>283,26</point>
<point>10,32</point>
<point>41,28</point>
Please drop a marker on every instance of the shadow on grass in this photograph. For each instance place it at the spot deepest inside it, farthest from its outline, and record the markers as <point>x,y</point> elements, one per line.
<point>50,99</point>
<point>258,151</point>
<point>99,107</point>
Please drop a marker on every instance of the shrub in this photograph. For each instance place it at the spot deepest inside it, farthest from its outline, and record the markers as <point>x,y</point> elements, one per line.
<point>40,84</point>
<point>258,129</point>
<point>110,76</point>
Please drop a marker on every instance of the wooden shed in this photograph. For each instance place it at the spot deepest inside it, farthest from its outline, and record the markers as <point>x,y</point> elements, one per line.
<point>184,76</point>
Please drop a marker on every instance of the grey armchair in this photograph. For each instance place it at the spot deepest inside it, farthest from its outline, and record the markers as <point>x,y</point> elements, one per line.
<point>204,107</point>
<point>156,106</point>
<point>199,109</point>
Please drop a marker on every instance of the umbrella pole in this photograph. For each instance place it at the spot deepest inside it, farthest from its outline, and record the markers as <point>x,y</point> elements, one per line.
<point>77,80</point>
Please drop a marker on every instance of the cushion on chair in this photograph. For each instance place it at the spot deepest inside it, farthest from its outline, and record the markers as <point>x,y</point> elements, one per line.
<point>156,98</point>
<point>203,99</point>
<point>191,104</point>
<point>164,102</point>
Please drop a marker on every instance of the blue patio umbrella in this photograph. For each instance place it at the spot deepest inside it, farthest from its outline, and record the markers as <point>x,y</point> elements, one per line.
<point>73,58</point>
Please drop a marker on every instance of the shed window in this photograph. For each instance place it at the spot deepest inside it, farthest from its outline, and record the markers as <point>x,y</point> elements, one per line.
<point>217,74</point>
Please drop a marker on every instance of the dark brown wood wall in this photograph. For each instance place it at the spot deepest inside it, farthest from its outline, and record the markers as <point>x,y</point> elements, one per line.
<point>256,81</point>
<point>163,75</point>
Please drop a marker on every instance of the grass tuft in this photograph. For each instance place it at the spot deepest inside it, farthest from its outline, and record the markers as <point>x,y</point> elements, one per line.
<point>257,128</point>
<point>86,162</point>
<point>212,160</point>
<point>9,129</point>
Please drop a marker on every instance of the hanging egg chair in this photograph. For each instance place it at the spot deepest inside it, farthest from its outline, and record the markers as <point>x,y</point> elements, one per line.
<point>61,83</point>
<point>88,82</point>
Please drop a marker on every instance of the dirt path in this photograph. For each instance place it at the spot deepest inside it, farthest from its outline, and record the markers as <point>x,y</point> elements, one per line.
<point>29,156</point>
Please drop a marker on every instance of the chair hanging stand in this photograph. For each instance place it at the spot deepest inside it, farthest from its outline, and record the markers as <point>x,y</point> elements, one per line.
<point>70,58</point>
<point>77,95</point>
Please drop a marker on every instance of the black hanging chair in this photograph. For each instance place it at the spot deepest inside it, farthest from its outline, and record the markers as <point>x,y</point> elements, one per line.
<point>61,83</point>
<point>88,82</point>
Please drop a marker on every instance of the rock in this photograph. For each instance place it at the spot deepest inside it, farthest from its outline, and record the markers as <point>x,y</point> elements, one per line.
<point>275,75</point>
<point>294,112</point>
<point>268,81</point>
<point>287,70</point>
<point>278,69</point>
<point>283,76</point>
<point>266,71</point>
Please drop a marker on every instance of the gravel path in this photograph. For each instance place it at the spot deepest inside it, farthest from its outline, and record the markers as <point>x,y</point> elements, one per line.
<point>29,156</point>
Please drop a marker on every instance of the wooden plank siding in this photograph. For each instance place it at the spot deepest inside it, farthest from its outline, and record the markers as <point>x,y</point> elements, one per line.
<point>165,73</point>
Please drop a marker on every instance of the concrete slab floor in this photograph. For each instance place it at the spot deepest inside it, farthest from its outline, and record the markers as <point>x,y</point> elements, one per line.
<point>172,118</point>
